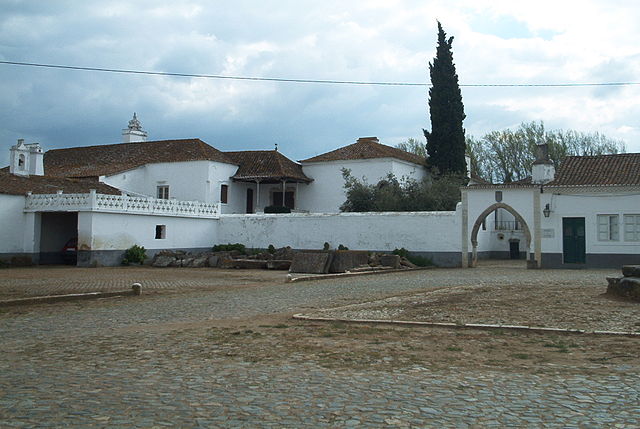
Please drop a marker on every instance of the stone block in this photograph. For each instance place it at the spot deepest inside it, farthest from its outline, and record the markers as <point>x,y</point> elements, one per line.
<point>163,261</point>
<point>284,253</point>
<point>199,262</point>
<point>631,270</point>
<point>626,287</point>
<point>244,264</point>
<point>346,260</point>
<point>311,262</point>
<point>213,261</point>
<point>278,264</point>
<point>392,261</point>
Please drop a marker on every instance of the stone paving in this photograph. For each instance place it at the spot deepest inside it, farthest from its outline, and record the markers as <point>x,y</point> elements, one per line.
<point>133,362</point>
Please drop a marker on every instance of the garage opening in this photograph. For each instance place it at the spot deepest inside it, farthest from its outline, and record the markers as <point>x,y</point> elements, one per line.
<point>56,231</point>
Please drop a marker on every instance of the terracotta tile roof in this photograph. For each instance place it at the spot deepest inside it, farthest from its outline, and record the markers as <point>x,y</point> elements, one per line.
<point>19,185</point>
<point>621,169</point>
<point>94,161</point>
<point>367,148</point>
<point>266,165</point>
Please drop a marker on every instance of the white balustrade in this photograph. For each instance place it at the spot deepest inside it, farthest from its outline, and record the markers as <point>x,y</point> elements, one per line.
<point>119,204</point>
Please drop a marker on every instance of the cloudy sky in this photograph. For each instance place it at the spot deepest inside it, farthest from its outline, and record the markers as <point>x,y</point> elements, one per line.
<point>496,42</point>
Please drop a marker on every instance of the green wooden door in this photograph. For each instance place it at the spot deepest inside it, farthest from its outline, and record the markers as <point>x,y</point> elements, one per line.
<point>573,240</point>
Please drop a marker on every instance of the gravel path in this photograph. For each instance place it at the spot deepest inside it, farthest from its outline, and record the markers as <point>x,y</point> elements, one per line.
<point>128,362</point>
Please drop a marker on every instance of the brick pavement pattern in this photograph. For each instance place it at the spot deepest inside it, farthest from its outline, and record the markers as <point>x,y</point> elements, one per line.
<point>110,363</point>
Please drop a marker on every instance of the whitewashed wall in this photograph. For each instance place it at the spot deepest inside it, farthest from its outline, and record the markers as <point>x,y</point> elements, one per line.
<point>105,236</point>
<point>589,206</point>
<point>434,234</point>
<point>326,193</point>
<point>12,232</point>
<point>189,181</point>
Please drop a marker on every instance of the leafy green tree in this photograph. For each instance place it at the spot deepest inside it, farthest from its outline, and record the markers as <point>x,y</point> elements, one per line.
<point>414,146</point>
<point>445,141</point>
<point>507,155</point>
<point>390,194</point>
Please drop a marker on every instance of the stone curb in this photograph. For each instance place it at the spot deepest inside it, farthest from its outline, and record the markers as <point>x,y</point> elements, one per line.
<point>538,329</point>
<point>136,290</point>
<point>291,279</point>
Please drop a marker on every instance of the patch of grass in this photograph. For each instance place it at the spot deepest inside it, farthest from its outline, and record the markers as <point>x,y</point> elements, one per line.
<point>560,346</point>
<point>521,356</point>
<point>454,349</point>
<point>280,326</point>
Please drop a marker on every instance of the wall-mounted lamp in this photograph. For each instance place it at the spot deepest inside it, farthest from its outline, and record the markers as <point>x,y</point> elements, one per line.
<point>546,211</point>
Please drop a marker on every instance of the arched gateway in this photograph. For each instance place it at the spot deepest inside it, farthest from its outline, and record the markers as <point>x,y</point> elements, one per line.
<point>480,219</point>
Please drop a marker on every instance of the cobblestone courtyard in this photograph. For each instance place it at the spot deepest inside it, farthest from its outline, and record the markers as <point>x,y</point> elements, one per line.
<point>212,348</point>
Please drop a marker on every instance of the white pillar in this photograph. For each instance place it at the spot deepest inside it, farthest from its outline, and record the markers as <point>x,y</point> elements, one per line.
<point>537,240</point>
<point>465,229</point>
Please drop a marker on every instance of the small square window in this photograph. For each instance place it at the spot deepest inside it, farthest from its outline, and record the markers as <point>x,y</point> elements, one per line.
<point>224,193</point>
<point>163,192</point>
<point>161,232</point>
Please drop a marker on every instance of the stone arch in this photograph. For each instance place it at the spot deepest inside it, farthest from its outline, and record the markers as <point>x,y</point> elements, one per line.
<point>483,215</point>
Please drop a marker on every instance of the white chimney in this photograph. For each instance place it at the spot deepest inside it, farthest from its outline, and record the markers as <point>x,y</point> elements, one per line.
<point>542,170</point>
<point>26,159</point>
<point>134,132</point>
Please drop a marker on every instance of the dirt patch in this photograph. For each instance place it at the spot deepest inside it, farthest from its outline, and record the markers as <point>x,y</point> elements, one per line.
<point>584,307</point>
<point>279,340</point>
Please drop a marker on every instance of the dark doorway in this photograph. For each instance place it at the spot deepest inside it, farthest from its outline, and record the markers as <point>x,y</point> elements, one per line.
<point>514,249</point>
<point>288,199</point>
<point>573,240</point>
<point>249,200</point>
<point>56,232</point>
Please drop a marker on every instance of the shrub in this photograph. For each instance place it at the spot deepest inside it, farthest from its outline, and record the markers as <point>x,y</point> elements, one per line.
<point>402,252</point>
<point>134,255</point>
<point>277,209</point>
<point>418,260</point>
<point>341,247</point>
<point>271,249</point>
<point>230,247</point>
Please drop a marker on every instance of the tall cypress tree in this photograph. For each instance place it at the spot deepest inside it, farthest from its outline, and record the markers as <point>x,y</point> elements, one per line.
<point>445,142</point>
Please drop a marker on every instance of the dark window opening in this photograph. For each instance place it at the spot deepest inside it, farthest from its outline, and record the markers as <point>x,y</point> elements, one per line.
<point>161,232</point>
<point>289,200</point>
<point>224,193</point>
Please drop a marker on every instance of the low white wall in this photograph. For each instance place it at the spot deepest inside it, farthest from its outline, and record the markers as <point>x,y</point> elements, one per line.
<point>427,233</point>
<point>103,237</point>
<point>13,224</point>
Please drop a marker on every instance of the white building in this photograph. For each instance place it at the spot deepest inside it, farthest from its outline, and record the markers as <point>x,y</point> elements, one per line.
<point>585,215</point>
<point>186,179</point>
<point>185,194</point>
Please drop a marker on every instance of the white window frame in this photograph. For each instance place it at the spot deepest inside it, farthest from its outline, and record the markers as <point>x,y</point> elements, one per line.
<point>162,192</point>
<point>631,225</point>
<point>608,227</point>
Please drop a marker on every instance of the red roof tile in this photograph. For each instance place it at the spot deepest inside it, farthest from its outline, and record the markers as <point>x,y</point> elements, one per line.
<point>19,185</point>
<point>266,165</point>
<point>621,169</point>
<point>94,161</point>
<point>367,148</point>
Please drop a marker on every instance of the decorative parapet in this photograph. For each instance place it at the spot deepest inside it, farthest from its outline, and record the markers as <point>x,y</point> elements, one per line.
<point>119,204</point>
